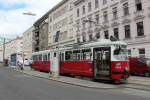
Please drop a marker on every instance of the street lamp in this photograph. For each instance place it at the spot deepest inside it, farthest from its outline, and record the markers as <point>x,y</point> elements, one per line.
<point>29,14</point>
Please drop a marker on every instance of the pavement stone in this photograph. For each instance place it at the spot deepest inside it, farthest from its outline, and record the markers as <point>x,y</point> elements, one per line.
<point>140,80</point>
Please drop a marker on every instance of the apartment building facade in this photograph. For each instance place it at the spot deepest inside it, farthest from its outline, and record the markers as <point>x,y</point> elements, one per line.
<point>126,20</point>
<point>27,42</point>
<point>61,25</point>
<point>1,53</point>
<point>14,46</point>
<point>40,34</point>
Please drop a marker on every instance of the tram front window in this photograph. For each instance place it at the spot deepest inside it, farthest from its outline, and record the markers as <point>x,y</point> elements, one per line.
<point>120,54</point>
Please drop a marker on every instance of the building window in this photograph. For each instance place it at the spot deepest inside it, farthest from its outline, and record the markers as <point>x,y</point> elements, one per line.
<point>90,37</point>
<point>71,35</point>
<point>104,2</point>
<point>138,5</point>
<point>97,19</point>
<point>84,37</point>
<point>129,53</point>
<point>50,19</point>
<point>106,34</point>
<point>78,40</point>
<point>78,26</point>
<point>71,19</point>
<point>71,7</point>
<point>116,33</point>
<point>127,31</point>
<point>96,3</point>
<point>83,24</point>
<point>90,23</point>
<point>140,29</point>
<point>78,12</point>
<point>89,6</point>
<point>98,35</point>
<point>83,9</point>
<point>115,13</point>
<point>105,16</point>
<point>126,9</point>
<point>142,52</point>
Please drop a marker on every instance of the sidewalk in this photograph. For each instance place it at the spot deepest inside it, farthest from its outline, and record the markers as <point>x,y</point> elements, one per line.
<point>69,80</point>
<point>140,80</point>
<point>89,84</point>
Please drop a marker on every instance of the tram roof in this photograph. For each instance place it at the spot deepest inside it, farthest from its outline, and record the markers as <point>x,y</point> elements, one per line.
<point>100,42</point>
<point>46,51</point>
<point>104,42</point>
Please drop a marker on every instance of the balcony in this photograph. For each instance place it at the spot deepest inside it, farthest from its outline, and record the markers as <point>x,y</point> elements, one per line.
<point>139,12</point>
<point>126,16</point>
<point>139,15</point>
<point>115,23</point>
<point>126,21</point>
<point>115,19</point>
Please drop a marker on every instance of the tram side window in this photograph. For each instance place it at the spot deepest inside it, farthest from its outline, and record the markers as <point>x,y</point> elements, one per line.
<point>34,57</point>
<point>76,55</point>
<point>87,54</point>
<point>62,56</point>
<point>40,57</point>
<point>68,55</point>
<point>45,57</point>
<point>49,56</point>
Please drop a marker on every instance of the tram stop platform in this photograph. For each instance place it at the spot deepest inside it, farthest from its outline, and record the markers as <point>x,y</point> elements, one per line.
<point>68,80</point>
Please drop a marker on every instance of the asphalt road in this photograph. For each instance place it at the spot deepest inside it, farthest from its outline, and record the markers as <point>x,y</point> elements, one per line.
<point>17,86</point>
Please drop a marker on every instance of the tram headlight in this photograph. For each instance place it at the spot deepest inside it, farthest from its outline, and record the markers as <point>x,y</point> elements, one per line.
<point>118,65</point>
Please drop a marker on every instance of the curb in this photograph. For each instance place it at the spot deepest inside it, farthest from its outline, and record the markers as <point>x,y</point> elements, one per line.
<point>70,82</point>
<point>65,82</point>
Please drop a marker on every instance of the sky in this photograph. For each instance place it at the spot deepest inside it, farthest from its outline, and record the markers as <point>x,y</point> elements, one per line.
<point>12,21</point>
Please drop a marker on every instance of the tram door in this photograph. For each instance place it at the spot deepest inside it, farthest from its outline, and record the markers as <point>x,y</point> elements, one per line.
<point>102,62</point>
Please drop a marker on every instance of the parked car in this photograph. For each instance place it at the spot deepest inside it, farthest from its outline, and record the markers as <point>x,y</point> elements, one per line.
<point>26,62</point>
<point>140,66</point>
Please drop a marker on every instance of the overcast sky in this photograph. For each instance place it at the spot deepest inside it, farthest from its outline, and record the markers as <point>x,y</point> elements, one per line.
<point>13,22</point>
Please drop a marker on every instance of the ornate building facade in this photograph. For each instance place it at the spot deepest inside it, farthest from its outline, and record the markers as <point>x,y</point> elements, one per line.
<point>61,23</point>
<point>126,20</point>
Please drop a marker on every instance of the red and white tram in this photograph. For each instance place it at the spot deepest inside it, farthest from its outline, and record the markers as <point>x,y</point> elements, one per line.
<point>103,59</point>
<point>41,61</point>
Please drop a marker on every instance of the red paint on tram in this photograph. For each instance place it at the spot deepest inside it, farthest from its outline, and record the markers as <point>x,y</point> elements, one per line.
<point>41,65</point>
<point>119,69</point>
<point>77,68</point>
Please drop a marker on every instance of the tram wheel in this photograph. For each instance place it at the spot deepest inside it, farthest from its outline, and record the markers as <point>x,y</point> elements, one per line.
<point>117,82</point>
